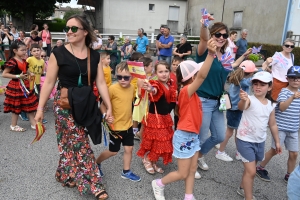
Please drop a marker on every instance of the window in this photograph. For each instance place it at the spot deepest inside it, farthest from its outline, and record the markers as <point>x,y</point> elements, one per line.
<point>151,7</point>
<point>238,19</point>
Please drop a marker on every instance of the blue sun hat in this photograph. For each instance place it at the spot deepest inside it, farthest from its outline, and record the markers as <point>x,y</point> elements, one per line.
<point>293,71</point>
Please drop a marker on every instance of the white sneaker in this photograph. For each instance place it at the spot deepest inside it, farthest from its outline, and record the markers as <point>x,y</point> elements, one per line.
<point>158,191</point>
<point>217,146</point>
<point>201,164</point>
<point>241,192</point>
<point>238,156</point>
<point>223,156</point>
<point>197,175</point>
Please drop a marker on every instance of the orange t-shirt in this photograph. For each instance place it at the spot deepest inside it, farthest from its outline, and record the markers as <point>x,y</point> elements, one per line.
<point>174,78</point>
<point>190,112</point>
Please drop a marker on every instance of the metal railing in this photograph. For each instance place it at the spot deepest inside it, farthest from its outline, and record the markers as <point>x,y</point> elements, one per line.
<point>296,38</point>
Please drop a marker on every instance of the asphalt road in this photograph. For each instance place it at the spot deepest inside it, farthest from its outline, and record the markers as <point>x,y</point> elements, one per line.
<point>27,172</point>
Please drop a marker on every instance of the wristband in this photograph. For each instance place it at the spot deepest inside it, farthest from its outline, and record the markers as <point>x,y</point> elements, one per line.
<point>18,76</point>
<point>40,108</point>
<point>211,54</point>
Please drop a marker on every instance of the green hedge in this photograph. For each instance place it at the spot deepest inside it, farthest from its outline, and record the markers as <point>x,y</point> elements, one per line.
<point>271,49</point>
<point>55,25</point>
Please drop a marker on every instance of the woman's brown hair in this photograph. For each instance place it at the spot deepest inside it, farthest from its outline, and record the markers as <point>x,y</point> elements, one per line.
<point>91,36</point>
<point>237,75</point>
<point>217,27</point>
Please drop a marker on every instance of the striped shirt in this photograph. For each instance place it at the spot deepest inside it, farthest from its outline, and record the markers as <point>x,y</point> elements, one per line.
<point>288,120</point>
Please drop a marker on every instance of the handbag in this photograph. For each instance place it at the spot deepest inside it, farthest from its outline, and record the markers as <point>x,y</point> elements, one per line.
<point>64,100</point>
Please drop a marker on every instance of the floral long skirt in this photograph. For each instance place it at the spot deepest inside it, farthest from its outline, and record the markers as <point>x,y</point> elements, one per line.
<point>77,162</point>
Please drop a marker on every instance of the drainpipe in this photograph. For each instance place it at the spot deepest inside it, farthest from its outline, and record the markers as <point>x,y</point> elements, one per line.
<point>287,19</point>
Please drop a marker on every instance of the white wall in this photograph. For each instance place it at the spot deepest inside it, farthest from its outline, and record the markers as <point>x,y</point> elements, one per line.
<point>294,21</point>
<point>129,15</point>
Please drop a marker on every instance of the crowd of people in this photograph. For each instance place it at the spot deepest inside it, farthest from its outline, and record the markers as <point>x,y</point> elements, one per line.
<point>134,108</point>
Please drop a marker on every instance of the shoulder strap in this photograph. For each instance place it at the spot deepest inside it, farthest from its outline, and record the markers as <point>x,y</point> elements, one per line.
<point>89,65</point>
<point>292,56</point>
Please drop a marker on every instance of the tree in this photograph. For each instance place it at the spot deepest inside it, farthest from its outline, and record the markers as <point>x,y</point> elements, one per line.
<point>71,12</point>
<point>29,10</point>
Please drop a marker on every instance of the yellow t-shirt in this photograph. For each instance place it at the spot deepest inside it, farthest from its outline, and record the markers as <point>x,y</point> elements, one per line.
<point>36,66</point>
<point>134,83</point>
<point>121,101</point>
<point>107,75</point>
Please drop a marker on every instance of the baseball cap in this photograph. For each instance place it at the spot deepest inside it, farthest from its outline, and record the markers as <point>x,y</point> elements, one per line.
<point>189,68</point>
<point>263,76</point>
<point>248,66</point>
<point>293,71</point>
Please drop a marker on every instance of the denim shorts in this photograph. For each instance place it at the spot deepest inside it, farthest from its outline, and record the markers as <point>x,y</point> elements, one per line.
<point>250,151</point>
<point>293,186</point>
<point>233,118</point>
<point>185,144</point>
<point>290,141</point>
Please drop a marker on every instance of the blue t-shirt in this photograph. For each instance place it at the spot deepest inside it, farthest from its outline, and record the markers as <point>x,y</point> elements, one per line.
<point>234,91</point>
<point>242,45</point>
<point>168,51</point>
<point>213,85</point>
<point>287,120</point>
<point>142,44</point>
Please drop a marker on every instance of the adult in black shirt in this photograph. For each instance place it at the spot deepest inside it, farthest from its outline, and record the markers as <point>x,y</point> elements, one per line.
<point>157,40</point>
<point>183,49</point>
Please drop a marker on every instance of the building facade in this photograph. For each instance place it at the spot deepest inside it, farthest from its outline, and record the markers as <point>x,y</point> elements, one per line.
<point>267,21</point>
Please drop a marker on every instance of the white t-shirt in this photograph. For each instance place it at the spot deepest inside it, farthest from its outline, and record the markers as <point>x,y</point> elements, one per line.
<point>254,122</point>
<point>96,43</point>
<point>230,47</point>
<point>5,41</point>
<point>279,71</point>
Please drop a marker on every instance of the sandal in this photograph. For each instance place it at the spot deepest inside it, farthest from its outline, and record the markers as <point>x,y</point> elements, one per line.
<point>148,166</point>
<point>102,195</point>
<point>17,128</point>
<point>70,184</point>
<point>158,169</point>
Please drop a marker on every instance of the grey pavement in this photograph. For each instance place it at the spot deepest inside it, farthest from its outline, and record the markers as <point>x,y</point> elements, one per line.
<point>27,172</point>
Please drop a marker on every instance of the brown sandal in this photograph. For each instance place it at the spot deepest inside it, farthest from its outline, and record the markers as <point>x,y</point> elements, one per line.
<point>158,169</point>
<point>148,166</point>
<point>100,195</point>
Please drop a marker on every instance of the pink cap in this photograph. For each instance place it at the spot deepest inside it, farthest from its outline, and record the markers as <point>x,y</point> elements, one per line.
<point>189,68</point>
<point>248,66</point>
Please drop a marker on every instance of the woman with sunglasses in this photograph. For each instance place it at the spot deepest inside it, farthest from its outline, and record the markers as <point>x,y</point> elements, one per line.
<point>279,69</point>
<point>77,166</point>
<point>212,88</point>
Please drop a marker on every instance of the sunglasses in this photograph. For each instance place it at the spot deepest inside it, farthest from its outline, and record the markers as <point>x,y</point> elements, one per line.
<point>109,39</point>
<point>126,78</point>
<point>218,35</point>
<point>289,46</point>
<point>296,79</point>
<point>43,56</point>
<point>74,29</point>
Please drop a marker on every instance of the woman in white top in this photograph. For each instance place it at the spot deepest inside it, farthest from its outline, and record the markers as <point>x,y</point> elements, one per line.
<point>279,69</point>
<point>232,48</point>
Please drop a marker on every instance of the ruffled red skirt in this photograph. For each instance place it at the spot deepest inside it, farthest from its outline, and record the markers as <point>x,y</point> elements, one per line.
<point>157,138</point>
<point>15,101</point>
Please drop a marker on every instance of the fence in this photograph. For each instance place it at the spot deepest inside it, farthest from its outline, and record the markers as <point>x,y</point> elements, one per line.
<point>296,38</point>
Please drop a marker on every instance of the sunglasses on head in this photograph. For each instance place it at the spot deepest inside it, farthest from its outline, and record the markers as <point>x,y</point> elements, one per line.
<point>74,29</point>
<point>218,35</point>
<point>126,78</point>
<point>289,46</point>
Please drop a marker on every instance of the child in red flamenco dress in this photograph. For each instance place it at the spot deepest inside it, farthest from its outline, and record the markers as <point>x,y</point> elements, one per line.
<point>18,99</point>
<point>158,131</point>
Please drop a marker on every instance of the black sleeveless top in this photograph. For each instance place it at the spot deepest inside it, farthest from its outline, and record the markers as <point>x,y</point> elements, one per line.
<point>68,72</point>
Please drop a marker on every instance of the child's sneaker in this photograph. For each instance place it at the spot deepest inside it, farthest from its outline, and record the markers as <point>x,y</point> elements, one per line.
<point>223,156</point>
<point>241,192</point>
<point>100,171</point>
<point>286,178</point>
<point>158,191</point>
<point>262,174</point>
<point>131,176</point>
<point>238,156</point>
<point>197,175</point>
<point>23,116</point>
<point>202,164</point>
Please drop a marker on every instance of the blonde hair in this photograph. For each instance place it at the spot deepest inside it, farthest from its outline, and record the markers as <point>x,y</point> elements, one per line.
<point>237,75</point>
<point>289,40</point>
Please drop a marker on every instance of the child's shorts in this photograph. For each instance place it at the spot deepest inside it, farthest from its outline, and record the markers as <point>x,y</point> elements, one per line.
<point>250,151</point>
<point>290,140</point>
<point>185,144</point>
<point>233,118</point>
<point>126,140</point>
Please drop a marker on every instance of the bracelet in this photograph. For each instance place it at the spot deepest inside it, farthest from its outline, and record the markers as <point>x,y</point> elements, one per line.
<point>40,108</point>
<point>211,54</point>
<point>18,76</point>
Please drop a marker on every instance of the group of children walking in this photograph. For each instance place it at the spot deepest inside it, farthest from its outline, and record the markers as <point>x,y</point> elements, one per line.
<point>173,88</point>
